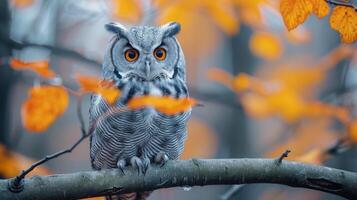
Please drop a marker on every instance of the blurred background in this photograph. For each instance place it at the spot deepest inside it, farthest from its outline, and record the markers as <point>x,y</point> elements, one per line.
<point>264,89</point>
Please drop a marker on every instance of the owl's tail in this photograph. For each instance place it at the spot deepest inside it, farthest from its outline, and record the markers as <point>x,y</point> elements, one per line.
<point>130,196</point>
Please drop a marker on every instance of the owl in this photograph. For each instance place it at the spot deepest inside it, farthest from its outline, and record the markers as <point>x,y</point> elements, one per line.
<point>140,60</point>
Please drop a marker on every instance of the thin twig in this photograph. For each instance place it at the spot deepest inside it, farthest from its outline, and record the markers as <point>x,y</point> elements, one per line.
<point>282,156</point>
<point>341,3</point>
<point>16,185</point>
<point>54,49</point>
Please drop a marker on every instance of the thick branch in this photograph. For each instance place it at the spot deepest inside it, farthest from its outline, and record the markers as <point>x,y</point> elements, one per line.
<point>195,172</point>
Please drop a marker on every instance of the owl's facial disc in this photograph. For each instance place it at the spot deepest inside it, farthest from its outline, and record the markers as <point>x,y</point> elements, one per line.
<point>141,62</point>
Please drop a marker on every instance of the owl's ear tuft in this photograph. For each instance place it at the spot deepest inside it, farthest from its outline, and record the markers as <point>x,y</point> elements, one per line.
<point>170,29</point>
<point>116,28</point>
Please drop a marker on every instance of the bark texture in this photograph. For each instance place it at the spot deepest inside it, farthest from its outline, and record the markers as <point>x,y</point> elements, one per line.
<point>195,172</point>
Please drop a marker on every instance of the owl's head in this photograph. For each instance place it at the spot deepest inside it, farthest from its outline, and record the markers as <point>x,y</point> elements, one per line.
<point>144,53</point>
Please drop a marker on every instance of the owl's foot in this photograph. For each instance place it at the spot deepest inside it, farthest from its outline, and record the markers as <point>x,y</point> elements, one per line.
<point>161,159</point>
<point>121,165</point>
<point>141,164</point>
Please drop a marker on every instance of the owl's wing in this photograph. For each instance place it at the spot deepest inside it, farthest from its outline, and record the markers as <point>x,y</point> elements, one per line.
<point>100,130</point>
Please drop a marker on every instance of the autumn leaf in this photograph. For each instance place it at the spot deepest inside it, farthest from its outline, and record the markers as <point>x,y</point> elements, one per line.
<point>129,10</point>
<point>39,67</point>
<point>92,84</point>
<point>43,106</point>
<point>166,105</point>
<point>295,12</point>
<point>344,20</point>
<point>320,8</point>
<point>266,45</point>
<point>13,163</point>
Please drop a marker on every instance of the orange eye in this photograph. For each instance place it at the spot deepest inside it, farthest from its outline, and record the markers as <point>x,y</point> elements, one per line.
<point>131,55</point>
<point>160,53</point>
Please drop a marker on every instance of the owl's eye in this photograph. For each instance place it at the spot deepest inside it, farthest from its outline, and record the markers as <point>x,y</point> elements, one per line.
<point>131,55</point>
<point>160,53</point>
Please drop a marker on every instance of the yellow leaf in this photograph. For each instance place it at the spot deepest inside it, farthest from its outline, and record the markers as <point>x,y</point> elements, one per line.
<point>266,45</point>
<point>166,105</point>
<point>92,84</point>
<point>129,10</point>
<point>344,20</point>
<point>43,106</point>
<point>13,163</point>
<point>320,8</point>
<point>40,67</point>
<point>295,12</point>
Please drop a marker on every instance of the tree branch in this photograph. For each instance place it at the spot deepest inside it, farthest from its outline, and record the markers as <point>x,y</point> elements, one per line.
<point>54,49</point>
<point>195,172</point>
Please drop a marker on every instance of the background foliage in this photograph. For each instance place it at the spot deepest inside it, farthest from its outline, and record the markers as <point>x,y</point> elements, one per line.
<point>267,75</point>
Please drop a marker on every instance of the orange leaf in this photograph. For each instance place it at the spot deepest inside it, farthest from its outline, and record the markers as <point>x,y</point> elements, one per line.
<point>166,105</point>
<point>129,10</point>
<point>92,84</point>
<point>320,8</point>
<point>40,67</point>
<point>344,20</point>
<point>295,12</point>
<point>13,163</point>
<point>43,106</point>
<point>266,45</point>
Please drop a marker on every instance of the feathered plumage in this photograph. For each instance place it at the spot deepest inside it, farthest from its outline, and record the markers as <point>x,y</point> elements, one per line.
<point>120,134</point>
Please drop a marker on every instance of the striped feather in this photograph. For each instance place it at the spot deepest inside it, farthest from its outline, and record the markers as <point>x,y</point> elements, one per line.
<point>119,133</point>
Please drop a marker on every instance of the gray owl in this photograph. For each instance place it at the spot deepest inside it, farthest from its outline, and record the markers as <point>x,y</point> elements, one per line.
<point>141,60</point>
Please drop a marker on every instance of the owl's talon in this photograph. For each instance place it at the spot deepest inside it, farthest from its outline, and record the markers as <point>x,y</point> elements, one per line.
<point>137,163</point>
<point>146,163</point>
<point>161,158</point>
<point>121,165</point>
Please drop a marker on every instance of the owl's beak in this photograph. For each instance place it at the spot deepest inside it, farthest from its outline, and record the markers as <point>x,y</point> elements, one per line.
<point>147,70</point>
